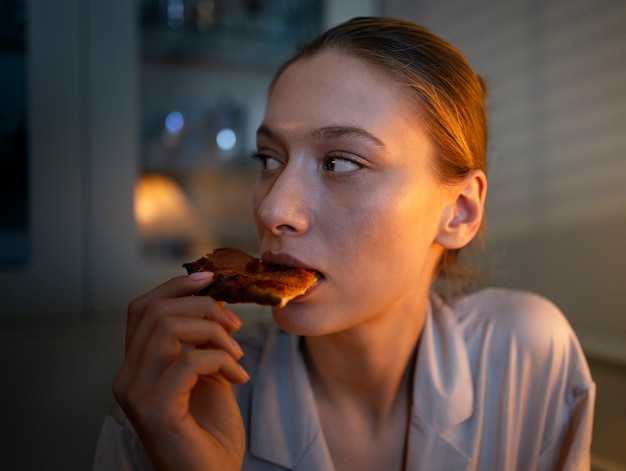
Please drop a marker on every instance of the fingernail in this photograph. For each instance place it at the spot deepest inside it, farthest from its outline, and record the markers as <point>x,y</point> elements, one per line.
<point>237,348</point>
<point>232,316</point>
<point>244,373</point>
<point>201,275</point>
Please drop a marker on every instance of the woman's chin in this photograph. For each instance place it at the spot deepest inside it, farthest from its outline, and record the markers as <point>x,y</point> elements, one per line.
<point>309,318</point>
<point>302,318</point>
<point>295,318</point>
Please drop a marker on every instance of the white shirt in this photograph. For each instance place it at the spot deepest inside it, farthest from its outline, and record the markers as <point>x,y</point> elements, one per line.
<point>501,383</point>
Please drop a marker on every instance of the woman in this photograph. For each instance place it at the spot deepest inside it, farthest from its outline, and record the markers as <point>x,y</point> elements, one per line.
<point>372,154</point>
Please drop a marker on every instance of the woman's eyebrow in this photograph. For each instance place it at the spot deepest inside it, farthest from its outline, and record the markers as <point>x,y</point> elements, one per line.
<point>333,132</point>
<point>263,130</point>
<point>330,132</point>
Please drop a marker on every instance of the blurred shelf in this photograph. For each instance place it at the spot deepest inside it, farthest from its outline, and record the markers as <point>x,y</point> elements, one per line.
<point>189,48</point>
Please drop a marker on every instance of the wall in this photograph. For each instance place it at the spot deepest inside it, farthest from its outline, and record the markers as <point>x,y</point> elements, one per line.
<point>56,389</point>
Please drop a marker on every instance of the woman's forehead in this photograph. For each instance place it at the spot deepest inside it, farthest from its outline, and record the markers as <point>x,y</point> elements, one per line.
<point>333,88</point>
<point>330,66</point>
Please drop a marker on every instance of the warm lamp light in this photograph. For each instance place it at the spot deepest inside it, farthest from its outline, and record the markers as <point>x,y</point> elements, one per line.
<point>162,211</point>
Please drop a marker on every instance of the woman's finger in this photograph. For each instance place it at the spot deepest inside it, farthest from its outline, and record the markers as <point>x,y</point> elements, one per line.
<point>196,307</point>
<point>173,387</point>
<point>174,288</point>
<point>182,375</point>
<point>168,342</point>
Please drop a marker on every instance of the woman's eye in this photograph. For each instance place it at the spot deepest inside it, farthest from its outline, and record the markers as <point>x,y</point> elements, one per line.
<point>267,162</point>
<point>340,165</point>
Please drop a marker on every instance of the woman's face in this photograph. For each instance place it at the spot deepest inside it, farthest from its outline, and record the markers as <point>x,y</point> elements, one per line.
<point>347,187</point>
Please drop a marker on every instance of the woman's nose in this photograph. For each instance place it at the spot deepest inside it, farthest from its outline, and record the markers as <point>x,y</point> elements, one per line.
<point>285,207</point>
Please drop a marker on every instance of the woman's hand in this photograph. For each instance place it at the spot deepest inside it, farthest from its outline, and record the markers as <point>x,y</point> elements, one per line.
<point>175,382</point>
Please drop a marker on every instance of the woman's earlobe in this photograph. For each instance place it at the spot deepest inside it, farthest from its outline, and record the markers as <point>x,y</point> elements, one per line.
<point>462,217</point>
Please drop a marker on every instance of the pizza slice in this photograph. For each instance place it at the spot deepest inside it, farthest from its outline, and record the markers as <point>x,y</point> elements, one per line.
<point>241,278</point>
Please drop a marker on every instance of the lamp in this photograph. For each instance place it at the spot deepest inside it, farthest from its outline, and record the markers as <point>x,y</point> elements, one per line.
<point>163,214</point>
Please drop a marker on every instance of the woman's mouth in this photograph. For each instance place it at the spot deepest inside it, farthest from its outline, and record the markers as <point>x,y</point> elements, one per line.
<point>287,260</point>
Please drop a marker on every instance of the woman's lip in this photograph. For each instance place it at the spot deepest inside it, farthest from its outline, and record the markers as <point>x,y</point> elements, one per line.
<point>284,259</point>
<point>287,260</point>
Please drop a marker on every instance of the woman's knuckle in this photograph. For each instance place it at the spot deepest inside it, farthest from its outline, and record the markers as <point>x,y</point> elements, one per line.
<point>187,359</point>
<point>134,307</point>
<point>158,307</point>
<point>221,356</point>
<point>165,326</point>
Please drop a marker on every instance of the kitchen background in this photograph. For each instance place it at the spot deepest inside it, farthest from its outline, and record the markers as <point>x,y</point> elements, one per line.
<point>107,106</point>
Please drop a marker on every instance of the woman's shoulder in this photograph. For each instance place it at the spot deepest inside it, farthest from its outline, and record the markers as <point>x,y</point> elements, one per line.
<point>509,308</point>
<point>506,320</point>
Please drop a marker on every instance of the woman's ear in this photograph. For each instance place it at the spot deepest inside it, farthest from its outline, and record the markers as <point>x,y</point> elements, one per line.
<point>462,215</point>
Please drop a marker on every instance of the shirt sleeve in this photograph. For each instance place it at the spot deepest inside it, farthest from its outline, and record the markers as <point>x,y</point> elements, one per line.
<point>571,450</point>
<point>535,391</point>
<point>118,447</point>
<point>562,382</point>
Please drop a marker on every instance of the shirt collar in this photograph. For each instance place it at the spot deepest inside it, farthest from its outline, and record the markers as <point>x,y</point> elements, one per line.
<point>284,425</point>
<point>443,392</point>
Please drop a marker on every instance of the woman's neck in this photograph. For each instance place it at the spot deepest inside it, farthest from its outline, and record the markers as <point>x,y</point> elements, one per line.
<point>362,382</point>
<point>367,369</point>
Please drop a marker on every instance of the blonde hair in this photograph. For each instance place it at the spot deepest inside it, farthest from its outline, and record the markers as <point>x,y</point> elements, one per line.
<point>449,96</point>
